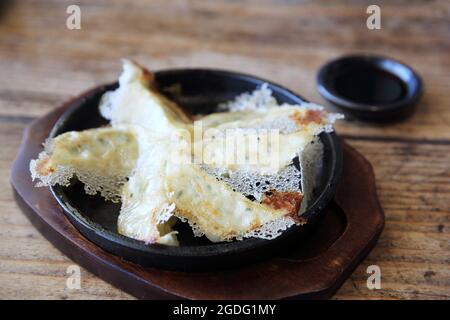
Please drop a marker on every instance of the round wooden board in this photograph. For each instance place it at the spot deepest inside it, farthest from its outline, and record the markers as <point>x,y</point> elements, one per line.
<point>314,269</point>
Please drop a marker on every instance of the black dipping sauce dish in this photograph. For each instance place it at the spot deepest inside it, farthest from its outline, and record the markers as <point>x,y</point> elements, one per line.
<point>371,88</point>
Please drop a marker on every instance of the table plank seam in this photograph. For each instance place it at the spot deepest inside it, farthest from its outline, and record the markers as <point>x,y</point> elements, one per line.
<point>16,119</point>
<point>396,139</point>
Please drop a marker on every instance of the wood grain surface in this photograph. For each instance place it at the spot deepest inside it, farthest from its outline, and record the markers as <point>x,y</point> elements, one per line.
<point>43,64</point>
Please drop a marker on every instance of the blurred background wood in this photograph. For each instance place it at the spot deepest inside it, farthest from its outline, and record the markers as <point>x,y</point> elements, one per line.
<point>43,63</point>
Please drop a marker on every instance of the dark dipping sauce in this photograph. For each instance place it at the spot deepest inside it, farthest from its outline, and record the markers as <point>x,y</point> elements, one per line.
<point>369,85</point>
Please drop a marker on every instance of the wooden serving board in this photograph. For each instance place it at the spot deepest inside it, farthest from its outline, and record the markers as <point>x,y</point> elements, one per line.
<point>314,269</point>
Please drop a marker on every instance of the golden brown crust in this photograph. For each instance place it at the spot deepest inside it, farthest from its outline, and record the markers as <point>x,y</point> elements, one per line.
<point>289,201</point>
<point>310,116</point>
<point>146,77</point>
<point>42,166</point>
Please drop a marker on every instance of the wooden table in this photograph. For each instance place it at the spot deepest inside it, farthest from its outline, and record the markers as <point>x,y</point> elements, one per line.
<point>43,63</point>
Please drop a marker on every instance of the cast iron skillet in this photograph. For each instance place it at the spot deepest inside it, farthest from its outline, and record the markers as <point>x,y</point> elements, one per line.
<point>201,91</point>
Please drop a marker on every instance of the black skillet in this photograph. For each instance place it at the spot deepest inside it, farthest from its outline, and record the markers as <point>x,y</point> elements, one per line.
<point>201,91</point>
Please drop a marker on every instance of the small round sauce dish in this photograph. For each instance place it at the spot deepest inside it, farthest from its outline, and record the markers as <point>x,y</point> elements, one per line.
<point>369,87</point>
